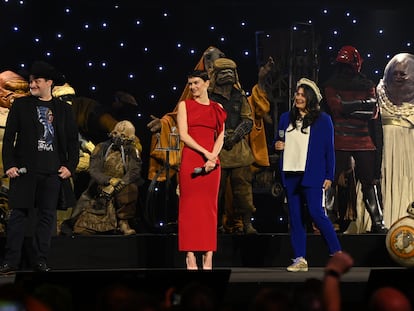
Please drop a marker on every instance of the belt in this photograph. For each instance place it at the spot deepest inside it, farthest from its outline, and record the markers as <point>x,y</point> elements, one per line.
<point>397,122</point>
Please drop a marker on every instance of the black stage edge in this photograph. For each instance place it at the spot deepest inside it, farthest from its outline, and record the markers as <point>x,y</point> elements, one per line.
<point>161,251</point>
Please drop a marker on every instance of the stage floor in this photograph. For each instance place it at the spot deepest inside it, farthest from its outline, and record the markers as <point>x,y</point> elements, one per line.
<point>160,251</point>
<point>233,251</point>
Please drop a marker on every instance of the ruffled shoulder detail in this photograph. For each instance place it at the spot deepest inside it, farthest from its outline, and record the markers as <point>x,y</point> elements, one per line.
<point>221,115</point>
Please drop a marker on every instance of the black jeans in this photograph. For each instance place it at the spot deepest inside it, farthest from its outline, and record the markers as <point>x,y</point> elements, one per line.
<point>46,199</point>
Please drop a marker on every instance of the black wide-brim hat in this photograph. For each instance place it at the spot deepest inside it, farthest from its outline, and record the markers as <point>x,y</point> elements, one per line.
<point>41,69</point>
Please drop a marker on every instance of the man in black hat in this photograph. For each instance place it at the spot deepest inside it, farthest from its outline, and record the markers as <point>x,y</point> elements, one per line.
<point>40,153</point>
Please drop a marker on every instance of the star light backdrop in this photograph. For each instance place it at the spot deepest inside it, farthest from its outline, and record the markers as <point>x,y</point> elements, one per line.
<point>147,49</point>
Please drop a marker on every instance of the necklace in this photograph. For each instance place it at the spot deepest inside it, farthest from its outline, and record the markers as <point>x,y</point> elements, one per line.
<point>405,110</point>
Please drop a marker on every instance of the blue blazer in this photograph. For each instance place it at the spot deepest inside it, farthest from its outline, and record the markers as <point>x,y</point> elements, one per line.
<point>320,161</point>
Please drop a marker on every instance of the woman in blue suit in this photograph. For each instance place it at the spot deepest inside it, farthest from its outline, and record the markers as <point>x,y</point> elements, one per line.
<point>306,140</point>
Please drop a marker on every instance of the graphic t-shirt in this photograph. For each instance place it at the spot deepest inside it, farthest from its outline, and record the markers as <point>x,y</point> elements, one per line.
<point>48,158</point>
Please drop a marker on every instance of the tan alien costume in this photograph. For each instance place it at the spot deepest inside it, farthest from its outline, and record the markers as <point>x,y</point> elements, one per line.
<point>12,86</point>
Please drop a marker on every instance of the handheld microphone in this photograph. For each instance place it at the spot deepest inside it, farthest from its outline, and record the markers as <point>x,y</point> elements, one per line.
<point>199,170</point>
<point>282,135</point>
<point>20,171</point>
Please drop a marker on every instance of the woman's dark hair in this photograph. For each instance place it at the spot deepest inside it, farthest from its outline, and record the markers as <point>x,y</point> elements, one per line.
<point>199,74</point>
<point>312,106</point>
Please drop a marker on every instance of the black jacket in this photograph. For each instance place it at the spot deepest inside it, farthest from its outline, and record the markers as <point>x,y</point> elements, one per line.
<point>20,145</point>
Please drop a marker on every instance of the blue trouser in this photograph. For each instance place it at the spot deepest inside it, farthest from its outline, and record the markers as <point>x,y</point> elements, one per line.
<point>297,196</point>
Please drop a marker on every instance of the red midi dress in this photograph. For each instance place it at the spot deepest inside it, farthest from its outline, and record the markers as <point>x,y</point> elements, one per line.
<point>197,214</point>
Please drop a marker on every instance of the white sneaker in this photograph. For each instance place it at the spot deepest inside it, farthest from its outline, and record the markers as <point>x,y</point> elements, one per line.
<point>299,265</point>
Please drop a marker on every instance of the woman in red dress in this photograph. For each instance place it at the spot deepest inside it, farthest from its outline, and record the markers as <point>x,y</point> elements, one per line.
<point>201,128</point>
